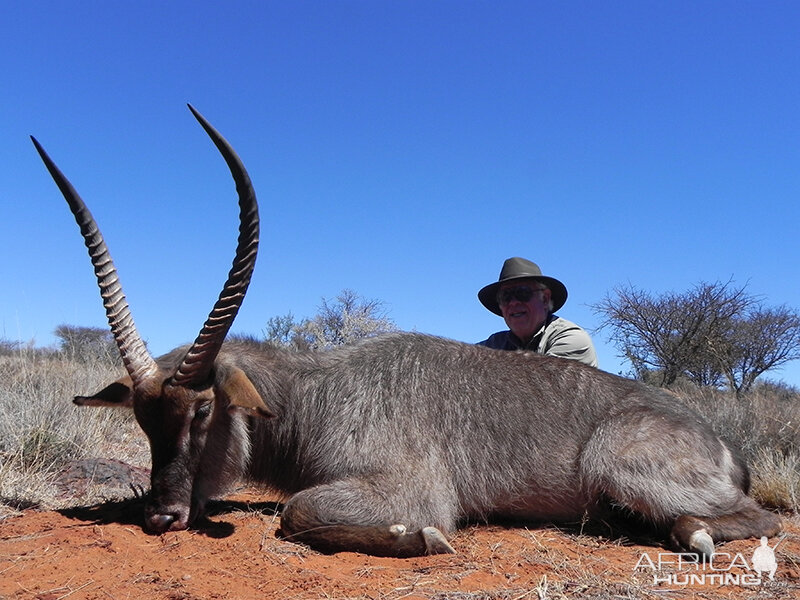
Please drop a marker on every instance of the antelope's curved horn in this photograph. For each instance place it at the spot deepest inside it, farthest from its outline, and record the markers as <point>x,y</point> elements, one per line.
<point>198,361</point>
<point>138,362</point>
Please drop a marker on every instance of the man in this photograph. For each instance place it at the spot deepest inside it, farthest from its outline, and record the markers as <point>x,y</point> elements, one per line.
<point>527,301</point>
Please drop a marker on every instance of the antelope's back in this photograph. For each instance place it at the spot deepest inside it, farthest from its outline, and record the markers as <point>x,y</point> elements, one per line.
<point>487,419</point>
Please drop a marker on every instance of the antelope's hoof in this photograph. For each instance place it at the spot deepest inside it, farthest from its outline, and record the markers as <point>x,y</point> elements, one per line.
<point>435,542</point>
<point>702,543</point>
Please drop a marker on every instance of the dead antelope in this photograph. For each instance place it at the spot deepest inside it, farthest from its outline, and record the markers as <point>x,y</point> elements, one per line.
<point>387,446</point>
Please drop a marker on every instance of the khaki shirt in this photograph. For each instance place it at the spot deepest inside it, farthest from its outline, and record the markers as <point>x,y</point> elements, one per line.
<point>557,337</point>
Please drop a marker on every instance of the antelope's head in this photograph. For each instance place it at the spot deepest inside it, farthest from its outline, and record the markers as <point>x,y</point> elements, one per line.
<point>187,401</point>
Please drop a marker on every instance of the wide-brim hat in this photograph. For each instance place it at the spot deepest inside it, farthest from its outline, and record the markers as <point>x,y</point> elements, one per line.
<point>520,268</point>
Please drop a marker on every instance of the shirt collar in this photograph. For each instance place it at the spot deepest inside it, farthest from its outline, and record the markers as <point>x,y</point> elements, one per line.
<point>537,337</point>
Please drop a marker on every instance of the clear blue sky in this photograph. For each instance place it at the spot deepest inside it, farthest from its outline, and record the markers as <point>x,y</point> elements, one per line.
<point>402,149</point>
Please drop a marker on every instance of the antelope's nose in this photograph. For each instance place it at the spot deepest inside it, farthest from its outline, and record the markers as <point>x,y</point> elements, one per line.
<point>161,522</point>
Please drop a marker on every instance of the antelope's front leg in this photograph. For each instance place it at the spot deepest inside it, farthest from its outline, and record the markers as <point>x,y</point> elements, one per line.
<point>350,516</point>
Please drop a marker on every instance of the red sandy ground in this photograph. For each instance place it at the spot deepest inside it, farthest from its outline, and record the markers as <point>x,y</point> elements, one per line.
<point>101,552</point>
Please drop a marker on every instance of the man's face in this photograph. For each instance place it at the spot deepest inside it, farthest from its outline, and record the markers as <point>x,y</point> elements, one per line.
<point>524,317</point>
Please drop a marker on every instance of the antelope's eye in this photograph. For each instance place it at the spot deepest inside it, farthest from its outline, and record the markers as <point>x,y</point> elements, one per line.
<point>202,412</point>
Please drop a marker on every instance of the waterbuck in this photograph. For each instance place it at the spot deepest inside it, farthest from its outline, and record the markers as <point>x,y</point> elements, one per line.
<point>386,446</point>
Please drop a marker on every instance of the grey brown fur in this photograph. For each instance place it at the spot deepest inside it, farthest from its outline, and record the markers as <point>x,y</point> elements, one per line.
<point>426,432</point>
<point>387,446</point>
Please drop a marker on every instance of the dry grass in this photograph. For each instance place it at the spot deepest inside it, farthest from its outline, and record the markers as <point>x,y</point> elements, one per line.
<point>42,431</point>
<point>776,478</point>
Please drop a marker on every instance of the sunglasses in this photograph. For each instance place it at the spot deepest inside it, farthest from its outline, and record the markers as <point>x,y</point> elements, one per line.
<point>522,293</point>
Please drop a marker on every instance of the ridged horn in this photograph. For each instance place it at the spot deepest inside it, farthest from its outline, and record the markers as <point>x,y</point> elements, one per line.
<point>138,362</point>
<point>196,365</point>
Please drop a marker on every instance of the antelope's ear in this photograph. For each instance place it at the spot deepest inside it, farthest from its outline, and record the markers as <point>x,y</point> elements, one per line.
<point>118,394</point>
<point>241,393</point>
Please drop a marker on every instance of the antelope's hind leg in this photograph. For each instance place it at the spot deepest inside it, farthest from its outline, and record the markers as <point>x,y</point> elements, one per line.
<point>354,516</point>
<point>698,534</point>
<point>676,474</point>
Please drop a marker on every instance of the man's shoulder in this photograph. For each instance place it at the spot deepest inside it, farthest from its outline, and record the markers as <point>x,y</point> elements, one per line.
<point>564,329</point>
<point>568,340</point>
<point>562,324</point>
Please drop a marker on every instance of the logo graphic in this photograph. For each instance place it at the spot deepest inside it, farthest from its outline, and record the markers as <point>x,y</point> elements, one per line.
<point>685,569</point>
<point>764,559</point>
